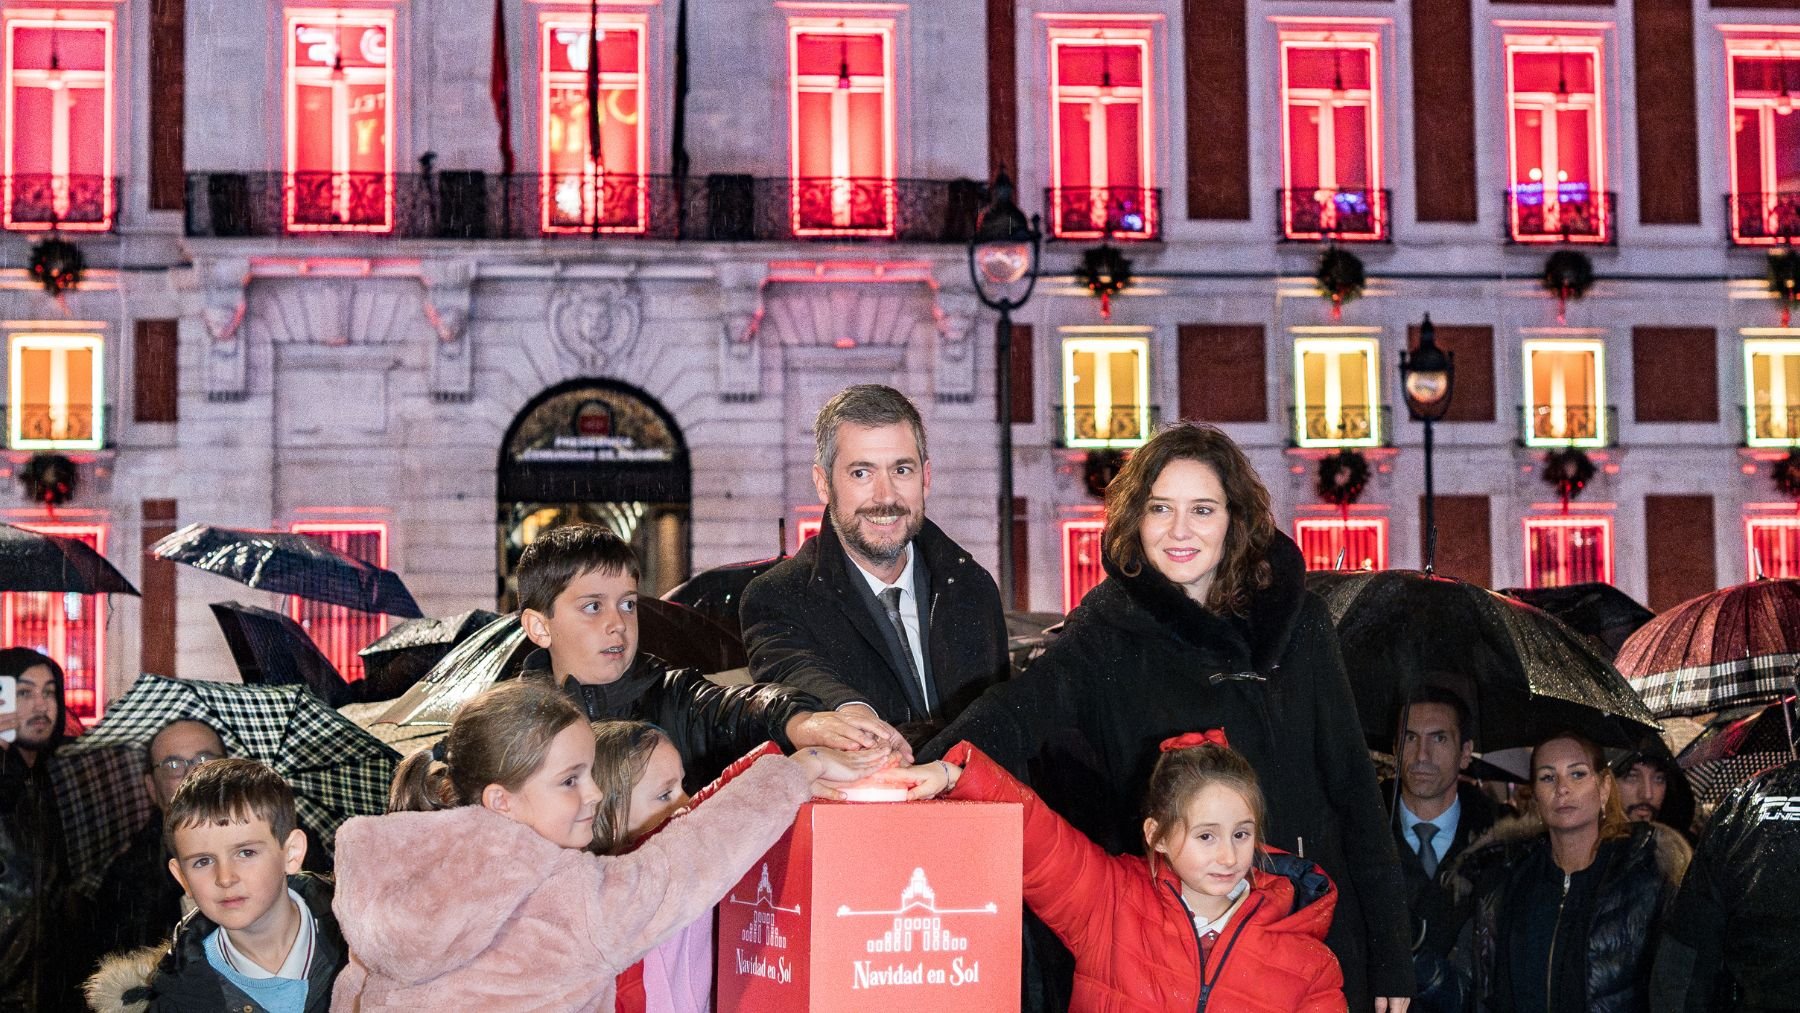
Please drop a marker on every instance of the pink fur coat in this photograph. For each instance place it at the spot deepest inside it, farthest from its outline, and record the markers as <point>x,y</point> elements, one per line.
<point>465,909</point>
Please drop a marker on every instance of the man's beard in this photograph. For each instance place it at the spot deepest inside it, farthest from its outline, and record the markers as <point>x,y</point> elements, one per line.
<point>1650,812</point>
<point>35,734</point>
<point>850,532</point>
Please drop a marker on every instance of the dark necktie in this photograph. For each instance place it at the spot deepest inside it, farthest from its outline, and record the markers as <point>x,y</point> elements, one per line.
<point>890,603</point>
<point>1427,854</point>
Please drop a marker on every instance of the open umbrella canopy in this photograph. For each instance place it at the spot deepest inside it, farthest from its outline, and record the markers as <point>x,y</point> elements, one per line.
<point>1736,747</point>
<point>717,593</point>
<point>337,770</point>
<point>1600,612</point>
<point>686,638</point>
<point>1733,646</point>
<point>34,561</point>
<point>402,656</point>
<point>271,649</point>
<point>490,654</point>
<point>103,803</point>
<point>1524,674</point>
<point>285,562</point>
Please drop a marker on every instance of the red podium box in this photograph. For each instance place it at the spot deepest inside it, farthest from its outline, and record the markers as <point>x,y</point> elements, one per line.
<point>878,906</point>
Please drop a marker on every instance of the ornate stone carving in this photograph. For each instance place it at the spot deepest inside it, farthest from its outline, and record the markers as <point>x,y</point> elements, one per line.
<point>223,289</point>
<point>953,360</point>
<point>449,291</point>
<point>593,323</point>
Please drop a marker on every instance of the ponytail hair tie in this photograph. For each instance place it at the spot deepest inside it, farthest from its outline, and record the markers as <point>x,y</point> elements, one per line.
<point>437,751</point>
<point>1192,740</point>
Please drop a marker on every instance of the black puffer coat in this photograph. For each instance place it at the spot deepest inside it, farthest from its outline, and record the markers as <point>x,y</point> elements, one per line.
<point>1139,661</point>
<point>1620,924</point>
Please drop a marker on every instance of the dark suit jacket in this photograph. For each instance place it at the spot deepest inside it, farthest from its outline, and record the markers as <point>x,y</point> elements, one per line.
<point>1434,923</point>
<point>807,624</point>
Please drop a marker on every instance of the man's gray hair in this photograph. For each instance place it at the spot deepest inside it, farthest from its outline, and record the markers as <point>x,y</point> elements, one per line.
<point>866,404</point>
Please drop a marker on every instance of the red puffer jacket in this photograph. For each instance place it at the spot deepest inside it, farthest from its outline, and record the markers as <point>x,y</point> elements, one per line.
<point>1133,938</point>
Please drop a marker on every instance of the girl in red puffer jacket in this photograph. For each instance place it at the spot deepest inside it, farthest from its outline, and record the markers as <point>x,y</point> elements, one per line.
<point>1211,920</point>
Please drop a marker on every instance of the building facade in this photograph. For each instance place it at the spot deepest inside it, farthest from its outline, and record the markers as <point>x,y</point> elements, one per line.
<point>317,297</point>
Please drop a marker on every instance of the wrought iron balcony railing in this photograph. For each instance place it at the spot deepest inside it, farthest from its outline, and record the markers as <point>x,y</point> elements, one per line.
<point>1767,425</point>
<point>1569,213</point>
<point>451,204</point>
<point>1362,425</point>
<point>1119,427</point>
<point>46,201</point>
<point>1111,212</point>
<point>1578,425</point>
<point>1345,216</point>
<point>1763,219</point>
<point>68,425</point>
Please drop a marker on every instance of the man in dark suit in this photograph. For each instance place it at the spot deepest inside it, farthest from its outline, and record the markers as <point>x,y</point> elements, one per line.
<point>1437,817</point>
<point>882,610</point>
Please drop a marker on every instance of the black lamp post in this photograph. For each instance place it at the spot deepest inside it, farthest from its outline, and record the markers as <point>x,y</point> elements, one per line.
<point>1004,253</point>
<point>1427,375</point>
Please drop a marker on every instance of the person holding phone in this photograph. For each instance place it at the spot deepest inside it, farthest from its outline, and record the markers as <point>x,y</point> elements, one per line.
<point>35,954</point>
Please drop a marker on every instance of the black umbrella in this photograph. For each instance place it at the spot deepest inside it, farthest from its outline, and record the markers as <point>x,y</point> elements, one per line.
<point>686,638</point>
<point>273,650</point>
<point>717,593</point>
<point>1601,612</point>
<point>401,657</point>
<point>1524,674</point>
<point>1735,746</point>
<point>35,561</point>
<point>285,562</point>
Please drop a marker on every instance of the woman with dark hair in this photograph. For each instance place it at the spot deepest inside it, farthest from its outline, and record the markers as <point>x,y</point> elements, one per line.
<point>1203,621</point>
<point>1568,900</point>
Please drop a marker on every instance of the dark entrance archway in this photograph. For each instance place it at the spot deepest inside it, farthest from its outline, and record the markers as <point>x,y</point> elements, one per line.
<point>600,452</point>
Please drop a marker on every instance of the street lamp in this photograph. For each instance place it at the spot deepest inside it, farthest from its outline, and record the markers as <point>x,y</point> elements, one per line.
<point>1003,253</point>
<point>1427,375</point>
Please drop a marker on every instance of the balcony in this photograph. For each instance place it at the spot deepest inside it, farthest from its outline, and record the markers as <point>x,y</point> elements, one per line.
<point>1108,427</point>
<point>57,427</point>
<point>1347,426</point>
<point>1575,425</point>
<point>472,205</point>
<point>1767,425</point>
<point>1110,212</point>
<point>41,201</point>
<point>1570,213</point>
<point>1341,216</point>
<point>1763,219</point>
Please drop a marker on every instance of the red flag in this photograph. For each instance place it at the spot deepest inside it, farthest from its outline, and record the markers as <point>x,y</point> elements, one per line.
<point>497,88</point>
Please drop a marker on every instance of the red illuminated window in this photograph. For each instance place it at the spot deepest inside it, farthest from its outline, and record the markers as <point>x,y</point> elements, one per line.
<point>340,122</point>
<point>58,121</point>
<point>340,632</point>
<point>1560,551</point>
<point>1331,134</point>
<point>593,169</point>
<point>809,527</point>
<point>1765,140</point>
<point>70,628</point>
<point>842,123</point>
<point>1081,560</point>
<point>1774,546</point>
<point>1556,141</point>
<point>1339,543</point>
<point>1100,137</point>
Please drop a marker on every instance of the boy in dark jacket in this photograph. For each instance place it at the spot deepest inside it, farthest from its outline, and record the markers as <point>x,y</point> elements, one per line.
<point>578,589</point>
<point>262,936</point>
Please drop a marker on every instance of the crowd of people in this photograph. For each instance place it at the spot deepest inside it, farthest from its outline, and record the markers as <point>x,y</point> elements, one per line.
<point>1203,824</point>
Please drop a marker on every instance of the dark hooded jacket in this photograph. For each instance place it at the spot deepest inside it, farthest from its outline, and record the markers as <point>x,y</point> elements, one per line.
<point>1678,798</point>
<point>1139,661</point>
<point>1598,928</point>
<point>710,725</point>
<point>39,953</point>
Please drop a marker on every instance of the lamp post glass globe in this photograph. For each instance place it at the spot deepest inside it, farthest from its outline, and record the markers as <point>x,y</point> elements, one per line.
<point>1003,262</point>
<point>1427,387</point>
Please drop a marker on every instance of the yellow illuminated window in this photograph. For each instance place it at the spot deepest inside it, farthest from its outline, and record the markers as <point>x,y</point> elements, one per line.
<point>1565,402</point>
<point>1106,385</point>
<point>1337,392</point>
<point>55,393</point>
<point>1772,374</point>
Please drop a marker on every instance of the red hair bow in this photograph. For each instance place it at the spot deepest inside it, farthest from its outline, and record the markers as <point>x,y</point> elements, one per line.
<point>1191,740</point>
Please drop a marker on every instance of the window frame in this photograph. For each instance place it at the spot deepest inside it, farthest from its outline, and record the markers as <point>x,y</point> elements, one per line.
<point>1143,38</point>
<point>17,343</point>
<point>638,179</point>
<point>1376,523</point>
<point>1338,344</point>
<point>59,613</point>
<point>1515,43</point>
<point>884,28</point>
<point>296,605</point>
<point>293,77</point>
<point>88,19</point>
<point>1073,344</point>
<point>1600,522</point>
<point>1068,530</point>
<point>1597,347</point>
<point>1760,46</point>
<point>1291,39</point>
<point>1777,349</point>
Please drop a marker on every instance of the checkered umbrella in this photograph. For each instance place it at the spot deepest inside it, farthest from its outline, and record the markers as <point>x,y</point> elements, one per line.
<point>101,797</point>
<point>1736,747</point>
<point>1736,645</point>
<point>337,769</point>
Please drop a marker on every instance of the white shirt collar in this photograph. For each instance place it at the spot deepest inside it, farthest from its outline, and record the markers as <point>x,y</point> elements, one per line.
<point>1446,822</point>
<point>904,582</point>
<point>299,955</point>
<point>1238,893</point>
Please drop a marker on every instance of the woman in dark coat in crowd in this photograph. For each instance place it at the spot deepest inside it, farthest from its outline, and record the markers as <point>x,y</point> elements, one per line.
<point>1204,622</point>
<point>1567,901</point>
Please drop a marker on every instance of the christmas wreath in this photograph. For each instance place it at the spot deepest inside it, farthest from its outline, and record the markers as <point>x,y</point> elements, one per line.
<point>57,265</point>
<point>1784,280</point>
<point>1101,467</point>
<point>1568,472</point>
<point>1342,477</point>
<point>1787,475</point>
<point>49,479</point>
<point>1104,272</point>
<point>1568,274</point>
<point>1341,278</point>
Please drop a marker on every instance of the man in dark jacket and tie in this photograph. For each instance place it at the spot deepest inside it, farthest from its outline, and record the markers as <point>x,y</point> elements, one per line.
<point>881,611</point>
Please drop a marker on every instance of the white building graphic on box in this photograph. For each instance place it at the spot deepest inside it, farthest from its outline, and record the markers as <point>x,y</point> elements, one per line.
<point>918,921</point>
<point>762,930</point>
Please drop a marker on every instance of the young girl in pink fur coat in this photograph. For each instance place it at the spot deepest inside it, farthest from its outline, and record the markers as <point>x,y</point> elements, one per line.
<point>474,892</point>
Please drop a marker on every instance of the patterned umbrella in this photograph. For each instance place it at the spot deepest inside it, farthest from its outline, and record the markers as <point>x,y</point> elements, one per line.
<point>288,563</point>
<point>337,770</point>
<point>1736,747</point>
<point>103,802</point>
<point>34,561</point>
<point>1733,646</point>
<point>1524,674</point>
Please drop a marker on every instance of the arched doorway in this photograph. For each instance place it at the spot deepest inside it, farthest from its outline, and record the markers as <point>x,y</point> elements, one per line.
<point>600,452</point>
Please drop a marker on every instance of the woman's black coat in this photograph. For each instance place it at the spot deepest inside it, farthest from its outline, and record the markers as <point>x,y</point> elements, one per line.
<point>1139,661</point>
